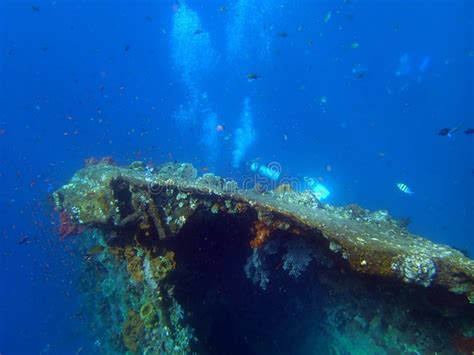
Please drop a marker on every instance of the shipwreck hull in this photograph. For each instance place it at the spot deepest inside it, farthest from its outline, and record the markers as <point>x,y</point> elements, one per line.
<point>177,263</point>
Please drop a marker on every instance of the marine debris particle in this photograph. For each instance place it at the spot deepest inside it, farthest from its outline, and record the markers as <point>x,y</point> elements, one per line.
<point>173,257</point>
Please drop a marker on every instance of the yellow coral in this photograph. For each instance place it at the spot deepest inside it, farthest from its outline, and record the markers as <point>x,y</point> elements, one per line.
<point>146,310</point>
<point>134,264</point>
<point>163,264</point>
<point>148,315</point>
<point>132,331</point>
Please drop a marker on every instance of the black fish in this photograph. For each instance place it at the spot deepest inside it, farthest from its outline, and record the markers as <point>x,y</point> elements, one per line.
<point>283,34</point>
<point>35,8</point>
<point>469,131</point>
<point>359,71</point>
<point>444,132</point>
<point>24,240</point>
<point>198,31</point>
<point>449,131</point>
<point>404,222</point>
<point>127,48</point>
<point>252,76</point>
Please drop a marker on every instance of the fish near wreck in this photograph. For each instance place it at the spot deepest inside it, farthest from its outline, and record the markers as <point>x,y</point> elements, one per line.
<point>209,262</point>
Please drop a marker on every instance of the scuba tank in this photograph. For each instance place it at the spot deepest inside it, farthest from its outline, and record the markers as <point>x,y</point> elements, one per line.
<point>320,191</point>
<point>270,172</point>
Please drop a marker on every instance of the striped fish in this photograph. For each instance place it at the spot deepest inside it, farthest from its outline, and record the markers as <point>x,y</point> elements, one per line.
<point>404,188</point>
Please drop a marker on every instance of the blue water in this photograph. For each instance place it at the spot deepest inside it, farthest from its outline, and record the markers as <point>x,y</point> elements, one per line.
<point>353,93</point>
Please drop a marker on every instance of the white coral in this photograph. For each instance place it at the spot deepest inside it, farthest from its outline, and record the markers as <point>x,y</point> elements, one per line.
<point>297,257</point>
<point>255,269</point>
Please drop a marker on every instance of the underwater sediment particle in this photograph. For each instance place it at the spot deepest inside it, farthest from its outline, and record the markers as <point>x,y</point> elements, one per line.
<point>359,278</point>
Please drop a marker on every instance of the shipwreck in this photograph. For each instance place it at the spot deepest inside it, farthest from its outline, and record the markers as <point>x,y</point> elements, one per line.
<point>178,263</point>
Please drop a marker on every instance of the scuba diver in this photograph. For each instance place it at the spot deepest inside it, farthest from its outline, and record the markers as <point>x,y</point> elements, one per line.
<point>319,190</point>
<point>272,171</point>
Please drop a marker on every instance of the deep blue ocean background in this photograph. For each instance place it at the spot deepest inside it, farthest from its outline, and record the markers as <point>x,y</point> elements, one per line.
<point>331,101</point>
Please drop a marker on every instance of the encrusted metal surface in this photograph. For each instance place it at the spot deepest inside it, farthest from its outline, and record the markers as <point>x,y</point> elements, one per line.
<point>373,243</point>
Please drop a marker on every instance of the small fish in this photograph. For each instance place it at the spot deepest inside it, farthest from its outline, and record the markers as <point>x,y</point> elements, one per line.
<point>469,131</point>
<point>127,48</point>
<point>24,240</point>
<point>253,76</point>
<point>282,34</point>
<point>354,45</point>
<point>449,131</point>
<point>359,71</point>
<point>35,8</point>
<point>96,249</point>
<point>444,131</point>
<point>198,31</point>
<point>403,222</point>
<point>220,128</point>
<point>404,188</point>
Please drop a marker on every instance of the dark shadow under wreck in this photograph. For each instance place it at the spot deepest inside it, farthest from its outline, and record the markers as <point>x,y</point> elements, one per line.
<point>185,264</point>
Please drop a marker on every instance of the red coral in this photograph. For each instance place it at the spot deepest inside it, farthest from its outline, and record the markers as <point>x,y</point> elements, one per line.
<point>262,232</point>
<point>67,227</point>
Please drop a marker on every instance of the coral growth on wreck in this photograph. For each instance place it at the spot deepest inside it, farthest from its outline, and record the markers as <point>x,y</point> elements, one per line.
<point>67,226</point>
<point>262,232</point>
<point>180,264</point>
<point>132,331</point>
